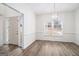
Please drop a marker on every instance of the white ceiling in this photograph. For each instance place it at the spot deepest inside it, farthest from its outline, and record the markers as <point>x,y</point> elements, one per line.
<point>41,8</point>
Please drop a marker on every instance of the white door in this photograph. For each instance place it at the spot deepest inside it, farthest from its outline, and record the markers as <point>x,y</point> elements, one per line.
<point>1,30</point>
<point>13,30</point>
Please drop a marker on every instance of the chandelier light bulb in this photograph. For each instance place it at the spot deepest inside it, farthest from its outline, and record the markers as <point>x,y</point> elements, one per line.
<point>54,16</point>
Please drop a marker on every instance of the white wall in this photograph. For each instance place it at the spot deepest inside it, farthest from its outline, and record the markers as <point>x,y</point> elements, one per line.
<point>68,27</point>
<point>29,23</point>
<point>77,26</point>
<point>2,10</point>
<point>10,12</point>
<point>7,12</point>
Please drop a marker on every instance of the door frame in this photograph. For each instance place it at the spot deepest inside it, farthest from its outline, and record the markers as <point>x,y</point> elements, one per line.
<point>22,18</point>
<point>21,31</point>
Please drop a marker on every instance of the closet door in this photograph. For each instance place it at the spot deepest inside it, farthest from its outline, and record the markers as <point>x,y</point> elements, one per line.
<point>1,30</point>
<point>13,30</point>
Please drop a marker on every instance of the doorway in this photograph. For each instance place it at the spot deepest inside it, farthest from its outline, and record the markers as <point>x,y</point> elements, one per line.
<point>11,26</point>
<point>15,30</point>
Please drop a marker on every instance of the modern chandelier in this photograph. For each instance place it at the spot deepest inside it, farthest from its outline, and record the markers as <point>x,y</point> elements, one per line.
<point>54,13</point>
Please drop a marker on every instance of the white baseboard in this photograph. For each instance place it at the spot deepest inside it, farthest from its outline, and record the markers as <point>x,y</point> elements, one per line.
<point>76,42</point>
<point>28,44</point>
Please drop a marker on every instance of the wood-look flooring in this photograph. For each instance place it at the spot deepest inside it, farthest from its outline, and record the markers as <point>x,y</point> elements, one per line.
<point>6,49</point>
<point>46,48</point>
